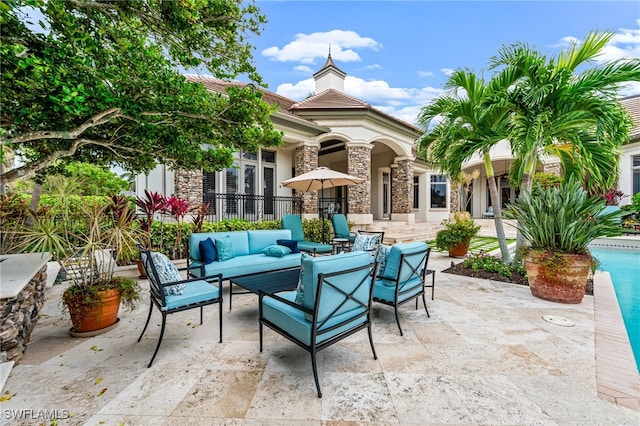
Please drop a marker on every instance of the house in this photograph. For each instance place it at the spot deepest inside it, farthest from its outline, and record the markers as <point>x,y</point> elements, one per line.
<point>329,129</point>
<point>346,134</point>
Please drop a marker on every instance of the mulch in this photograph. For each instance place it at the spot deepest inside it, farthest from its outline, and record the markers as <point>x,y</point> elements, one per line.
<point>515,278</point>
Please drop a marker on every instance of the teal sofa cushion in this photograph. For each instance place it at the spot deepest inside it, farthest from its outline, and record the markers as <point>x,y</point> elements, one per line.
<point>260,239</point>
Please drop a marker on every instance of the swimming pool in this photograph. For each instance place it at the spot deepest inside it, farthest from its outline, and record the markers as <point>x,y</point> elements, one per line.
<point>624,268</point>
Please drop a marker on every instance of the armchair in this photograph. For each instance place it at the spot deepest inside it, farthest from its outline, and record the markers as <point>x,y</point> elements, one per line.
<point>170,293</point>
<point>403,277</point>
<point>336,303</point>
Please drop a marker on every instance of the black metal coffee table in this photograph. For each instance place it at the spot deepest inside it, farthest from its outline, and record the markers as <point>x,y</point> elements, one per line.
<point>268,282</point>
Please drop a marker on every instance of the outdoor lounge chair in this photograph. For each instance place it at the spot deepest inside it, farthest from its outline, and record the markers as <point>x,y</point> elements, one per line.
<point>170,293</point>
<point>293,223</point>
<point>341,228</point>
<point>402,279</point>
<point>336,303</point>
<point>488,214</point>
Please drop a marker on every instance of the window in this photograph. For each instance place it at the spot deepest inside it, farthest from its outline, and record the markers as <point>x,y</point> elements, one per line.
<point>416,192</point>
<point>438,191</point>
<point>635,160</point>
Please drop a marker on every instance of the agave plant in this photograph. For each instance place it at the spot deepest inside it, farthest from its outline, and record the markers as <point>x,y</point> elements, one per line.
<point>563,219</point>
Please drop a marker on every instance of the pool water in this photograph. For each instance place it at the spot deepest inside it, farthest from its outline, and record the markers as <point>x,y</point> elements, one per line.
<point>624,268</point>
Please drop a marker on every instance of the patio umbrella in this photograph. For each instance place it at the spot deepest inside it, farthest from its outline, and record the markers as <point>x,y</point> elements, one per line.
<point>321,178</point>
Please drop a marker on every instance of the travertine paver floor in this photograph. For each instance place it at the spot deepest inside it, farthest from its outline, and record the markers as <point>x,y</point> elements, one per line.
<point>485,356</point>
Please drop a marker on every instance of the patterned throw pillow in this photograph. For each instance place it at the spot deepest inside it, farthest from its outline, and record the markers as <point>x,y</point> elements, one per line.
<point>381,257</point>
<point>300,290</point>
<point>276,250</point>
<point>225,249</point>
<point>365,243</point>
<point>167,272</point>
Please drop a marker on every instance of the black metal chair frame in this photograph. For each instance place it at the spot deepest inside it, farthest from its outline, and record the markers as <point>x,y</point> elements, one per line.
<point>158,298</point>
<point>420,272</point>
<point>378,233</point>
<point>316,329</point>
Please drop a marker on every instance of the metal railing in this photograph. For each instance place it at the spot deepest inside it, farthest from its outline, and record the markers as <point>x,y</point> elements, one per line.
<point>250,207</point>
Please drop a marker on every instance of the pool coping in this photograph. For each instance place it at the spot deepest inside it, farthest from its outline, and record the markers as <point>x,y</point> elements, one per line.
<point>617,377</point>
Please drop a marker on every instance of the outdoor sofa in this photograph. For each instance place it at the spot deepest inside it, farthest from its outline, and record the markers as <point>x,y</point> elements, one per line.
<point>247,257</point>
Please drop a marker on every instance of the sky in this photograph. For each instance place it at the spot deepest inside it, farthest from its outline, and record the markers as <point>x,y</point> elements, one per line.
<point>398,54</point>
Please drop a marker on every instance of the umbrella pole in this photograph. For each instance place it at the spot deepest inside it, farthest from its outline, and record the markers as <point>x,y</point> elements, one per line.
<point>321,210</point>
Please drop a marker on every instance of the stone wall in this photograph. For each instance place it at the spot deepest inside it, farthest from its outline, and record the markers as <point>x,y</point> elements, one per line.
<point>402,186</point>
<point>553,169</point>
<point>306,159</point>
<point>19,317</point>
<point>188,186</point>
<point>359,161</point>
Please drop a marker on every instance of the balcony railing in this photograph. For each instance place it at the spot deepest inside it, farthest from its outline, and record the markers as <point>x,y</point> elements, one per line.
<point>250,207</point>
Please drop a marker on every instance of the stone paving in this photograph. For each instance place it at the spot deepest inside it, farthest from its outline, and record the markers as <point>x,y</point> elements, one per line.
<point>486,356</point>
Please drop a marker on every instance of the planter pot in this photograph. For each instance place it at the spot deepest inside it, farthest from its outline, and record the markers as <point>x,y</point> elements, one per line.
<point>558,277</point>
<point>94,316</point>
<point>141,272</point>
<point>460,250</point>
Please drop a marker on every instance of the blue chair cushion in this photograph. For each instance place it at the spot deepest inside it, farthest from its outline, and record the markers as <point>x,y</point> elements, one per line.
<point>294,321</point>
<point>293,223</point>
<point>383,290</point>
<point>300,289</point>
<point>225,249</point>
<point>276,250</point>
<point>194,292</point>
<point>392,268</point>
<point>292,244</point>
<point>208,251</point>
<point>312,266</point>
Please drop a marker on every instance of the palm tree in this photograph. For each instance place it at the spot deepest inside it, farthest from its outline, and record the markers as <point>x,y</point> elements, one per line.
<point>470,122</point>
<point>576,116</point>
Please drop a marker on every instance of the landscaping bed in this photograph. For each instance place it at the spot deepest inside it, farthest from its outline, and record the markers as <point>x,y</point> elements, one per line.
<point>515,278</point>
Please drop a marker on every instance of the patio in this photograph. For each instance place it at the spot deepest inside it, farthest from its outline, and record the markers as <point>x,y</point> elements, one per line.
<point>485,356</point>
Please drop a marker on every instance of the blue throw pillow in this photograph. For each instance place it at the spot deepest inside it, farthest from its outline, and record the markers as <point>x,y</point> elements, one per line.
<point>276,251</point>
<point>225,249</point>
<point>292,244</point>
<point>365,243</point>
<point>208,251</point>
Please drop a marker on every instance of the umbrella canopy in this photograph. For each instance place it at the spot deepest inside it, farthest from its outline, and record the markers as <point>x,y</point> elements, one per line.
<point>320,178</point>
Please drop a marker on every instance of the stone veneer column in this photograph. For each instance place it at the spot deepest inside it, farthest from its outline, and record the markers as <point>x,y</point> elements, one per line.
<point>402,189</point>
<point>188,186</point>
<point>306,159</point>
<point>359,165</point>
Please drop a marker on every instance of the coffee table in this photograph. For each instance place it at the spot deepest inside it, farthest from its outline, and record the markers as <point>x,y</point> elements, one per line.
<point>268,282</point>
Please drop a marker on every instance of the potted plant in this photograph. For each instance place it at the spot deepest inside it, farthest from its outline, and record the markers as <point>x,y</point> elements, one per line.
<point>559,223</point>
<point>88,238</point>
<point>457,234</point>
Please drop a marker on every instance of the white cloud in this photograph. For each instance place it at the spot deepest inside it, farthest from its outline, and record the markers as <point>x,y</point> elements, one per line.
<point>425,73</point>
<point>306,48</point>
<point>303,68</point>
<point>447,71</point>
<point>373,67</point>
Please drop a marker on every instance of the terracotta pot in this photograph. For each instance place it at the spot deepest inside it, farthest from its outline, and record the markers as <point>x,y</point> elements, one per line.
<point>93,316</point>
<point>460,250</point>
<point>141,271</point>
<point>558,277</point>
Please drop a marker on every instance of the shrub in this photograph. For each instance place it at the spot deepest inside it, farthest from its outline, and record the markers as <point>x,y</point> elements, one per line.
<point>458,231</point>
<point>485,262</point>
